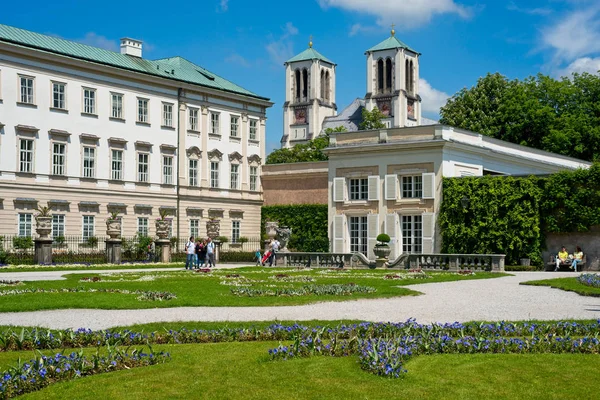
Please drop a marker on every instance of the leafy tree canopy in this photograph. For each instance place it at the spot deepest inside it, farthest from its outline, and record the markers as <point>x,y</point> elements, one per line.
<point>557,115</point>
<point>371,119</point>
<point>311,151</point>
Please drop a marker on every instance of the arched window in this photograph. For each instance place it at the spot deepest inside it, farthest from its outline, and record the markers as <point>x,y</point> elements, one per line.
<point>380,76</point>
<point>388,75</point>
<point>297,84</point>
<point>412,77</point>
<point>327,85</point>
<point>305,84</point>
<point>407,76</point>
<point>323,83</point>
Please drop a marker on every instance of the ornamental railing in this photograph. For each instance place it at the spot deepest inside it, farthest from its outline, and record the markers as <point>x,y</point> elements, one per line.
<point>441,262</point>
<point>313,260</point>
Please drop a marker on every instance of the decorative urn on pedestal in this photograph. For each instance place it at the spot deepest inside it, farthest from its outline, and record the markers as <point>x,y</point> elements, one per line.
<point>43,222</point>
<point>382,250</point>
<point>162,225</point>
<point>113,226</point>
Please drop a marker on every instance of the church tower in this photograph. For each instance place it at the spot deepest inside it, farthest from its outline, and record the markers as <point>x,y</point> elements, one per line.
<point>393,82</point>
<point>309,96</point>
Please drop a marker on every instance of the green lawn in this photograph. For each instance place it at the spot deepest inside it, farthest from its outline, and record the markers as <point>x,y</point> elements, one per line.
<point>79,267</point>
<point>243,370</point>
<point>212,289</point>
<point>568,284</point>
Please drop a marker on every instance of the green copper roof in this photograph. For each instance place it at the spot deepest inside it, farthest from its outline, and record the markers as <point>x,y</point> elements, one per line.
<point>391,43</point>
<point>175,68</point>
<point>309,54</point>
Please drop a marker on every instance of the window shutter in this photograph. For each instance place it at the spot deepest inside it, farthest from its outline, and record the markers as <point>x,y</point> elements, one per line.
<point>372,232</point>
<point>373,188</point>
<point>428,232</point>
<point>338,189</point>
<point>391,228</point>
<point>338,233</point>
<point>391,187</point>
<point>429,185</point>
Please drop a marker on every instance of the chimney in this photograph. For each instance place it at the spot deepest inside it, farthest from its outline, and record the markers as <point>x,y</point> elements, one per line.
<point>131,47</point>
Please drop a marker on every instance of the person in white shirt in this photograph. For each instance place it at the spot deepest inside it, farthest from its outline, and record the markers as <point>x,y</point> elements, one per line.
<point>274,249</point>
<point>210,253</point>
<point>190,250</point>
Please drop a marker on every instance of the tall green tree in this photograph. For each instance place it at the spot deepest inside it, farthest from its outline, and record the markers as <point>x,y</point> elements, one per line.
<point>557,115</point>
<point>371,119</point>
<point>311,151</point>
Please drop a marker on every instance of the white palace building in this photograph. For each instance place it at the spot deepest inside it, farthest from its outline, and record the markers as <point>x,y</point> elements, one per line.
<point>90,131</point>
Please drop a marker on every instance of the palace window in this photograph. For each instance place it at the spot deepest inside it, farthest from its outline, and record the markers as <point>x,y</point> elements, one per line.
<point>412,234</point>
<point>89,162</point>
<point>412,187</point>
<point>214,174</point>
<point>27,87</point>
<point>235,124</point>
<point>235,174</point>
<point>194,227</point>
<point>59,95</point>
<point>58,225</point>
<point>26,155</point>
<point>167,170</point>
<point>193,119</point>
<point>253,129</point>
<point>143,227</point>
<point>359,189</point>
<point>24,224</point>
<point>253,178</point>
<point>193,172</point>
<point>116,105</point>
<point>116,165</point>
<point>89,101</point>
<point>143,167</point>
<point>58,158</point>
<point>142,111</point>
<point>214,123</point>
<point>358,234</point>
<point>167,114</point>
<point>88,227</point>
<point>235,231</point>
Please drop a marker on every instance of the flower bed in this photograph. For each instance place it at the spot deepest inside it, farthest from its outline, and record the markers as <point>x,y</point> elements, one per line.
<point>41,372</point>
<point>592,280</point>
<point>143,294</point>
<point>306,290</point>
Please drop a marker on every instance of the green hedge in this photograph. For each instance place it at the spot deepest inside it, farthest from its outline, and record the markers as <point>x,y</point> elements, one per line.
<point>236,256</point>
<point>308,223</point>
<point>511,215</point>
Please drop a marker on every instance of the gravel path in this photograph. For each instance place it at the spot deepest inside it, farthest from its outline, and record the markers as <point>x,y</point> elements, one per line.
<point>489,299</point>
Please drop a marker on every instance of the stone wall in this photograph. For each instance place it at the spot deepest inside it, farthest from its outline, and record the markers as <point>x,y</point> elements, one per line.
<point>295,183</point>
<point>588,241</point>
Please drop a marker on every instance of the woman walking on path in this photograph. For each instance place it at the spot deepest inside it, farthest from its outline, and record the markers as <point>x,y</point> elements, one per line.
<point>202,254</point>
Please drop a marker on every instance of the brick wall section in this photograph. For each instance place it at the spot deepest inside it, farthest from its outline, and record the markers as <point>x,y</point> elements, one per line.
<point>295,183</point>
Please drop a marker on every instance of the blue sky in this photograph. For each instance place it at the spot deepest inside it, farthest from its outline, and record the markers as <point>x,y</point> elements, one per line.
<point>248,41</point>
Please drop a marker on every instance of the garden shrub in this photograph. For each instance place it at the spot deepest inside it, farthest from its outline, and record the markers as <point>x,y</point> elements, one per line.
<point>308,223</point>
<point>236,256</point>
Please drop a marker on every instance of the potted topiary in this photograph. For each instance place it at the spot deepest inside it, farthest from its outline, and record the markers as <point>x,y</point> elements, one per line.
<point>113,225</point>
<point>43,222</point>
<point>382,248</point>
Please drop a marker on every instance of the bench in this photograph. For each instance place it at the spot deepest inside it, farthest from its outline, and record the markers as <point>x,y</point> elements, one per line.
<point>565,266</point>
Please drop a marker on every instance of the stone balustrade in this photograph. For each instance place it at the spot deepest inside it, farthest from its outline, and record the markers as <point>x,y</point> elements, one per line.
<point>313,260</point>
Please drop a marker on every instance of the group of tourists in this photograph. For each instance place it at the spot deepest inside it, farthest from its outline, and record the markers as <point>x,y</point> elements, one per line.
<point>200,253</point>
<point>269,256</point>
<point>571,260</point>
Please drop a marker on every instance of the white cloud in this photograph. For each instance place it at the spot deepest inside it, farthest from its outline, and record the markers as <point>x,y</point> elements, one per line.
<point>407,13</point>
<point>359,28</point>
<point>238,60</point>
<point>432,99</point>
<point>531,11</point>
<point>282,49</point>
<point>102,42</point>
<point>223,6</point>
<point>584,64</point>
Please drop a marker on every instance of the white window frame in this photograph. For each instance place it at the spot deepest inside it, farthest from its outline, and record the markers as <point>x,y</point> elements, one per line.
<point>411,186</point>
<point>358,189</point>
<point>214,174</point>
<point>143,164</point>
<point>58,102</point>
<point>234,181</point>
<point>24,224</point>
<point>410,237</point>
<point>27,92</point>
<point>193,119</point>
<point>167,115</point>
<point>88,226</point>
<point>193,172</point>
<point>358,243</point>
<point>167,170</point>
<point>89,100</point>
<point>143,226</point>
<point>143,110</point>
<point>215,120</point>
<point>116,105</point>
<point>88,163</point>
<point>194,227</point>
<point>234,126</point>
<point>116,174</point>
<point>252,129</point>
<point>58,225</point>
<point>27,155</point>
<point>235,231</point>
<point>253,178</point>
<point>59,160</point>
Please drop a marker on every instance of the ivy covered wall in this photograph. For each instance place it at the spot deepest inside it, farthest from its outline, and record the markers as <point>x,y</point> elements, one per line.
<point>308,223</point>
<point>510,215</point>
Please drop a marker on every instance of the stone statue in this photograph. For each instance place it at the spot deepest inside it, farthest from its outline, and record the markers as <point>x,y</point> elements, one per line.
<point>213,228</point>
<point>283,235</point>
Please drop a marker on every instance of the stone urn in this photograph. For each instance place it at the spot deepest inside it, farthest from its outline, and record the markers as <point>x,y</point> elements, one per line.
<point>43,226</point>
<point>382,250</point>
<point>162,228</point>
<point>113,228</point>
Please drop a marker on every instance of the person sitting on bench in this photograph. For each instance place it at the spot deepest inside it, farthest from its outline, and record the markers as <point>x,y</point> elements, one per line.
<point>562,258</point>
<point>577,258</point>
